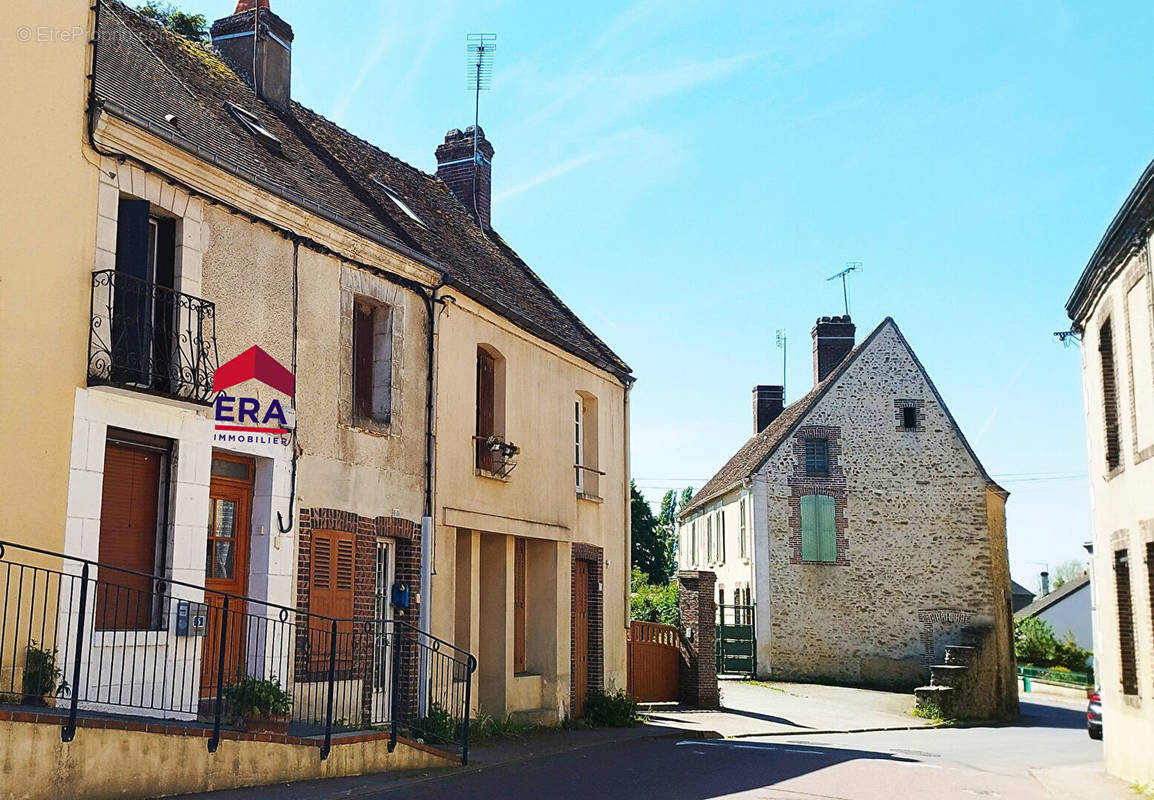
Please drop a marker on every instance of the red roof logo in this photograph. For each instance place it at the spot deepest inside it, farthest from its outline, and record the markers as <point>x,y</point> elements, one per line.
<point>254,363</point>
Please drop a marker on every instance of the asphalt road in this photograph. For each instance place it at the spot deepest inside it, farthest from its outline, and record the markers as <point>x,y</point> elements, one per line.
<point>946,764</point>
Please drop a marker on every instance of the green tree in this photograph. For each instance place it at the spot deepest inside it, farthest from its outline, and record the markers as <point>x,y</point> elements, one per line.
<point>1036,645</point>
<point>190,26</point>
<point>650,603</point>
<point>650,553</point>
<point>671,504</point>
<point>1066,572</point>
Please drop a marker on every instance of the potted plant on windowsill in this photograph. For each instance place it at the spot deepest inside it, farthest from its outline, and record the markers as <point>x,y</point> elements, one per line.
<point>42,678</point>
<point>259,705</point>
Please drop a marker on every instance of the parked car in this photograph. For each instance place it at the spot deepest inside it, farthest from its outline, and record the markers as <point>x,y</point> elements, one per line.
<point>1094,716</point>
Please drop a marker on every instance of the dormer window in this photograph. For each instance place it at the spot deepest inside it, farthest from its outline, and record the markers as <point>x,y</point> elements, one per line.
<point>250,123</point>
<point>400,203</point>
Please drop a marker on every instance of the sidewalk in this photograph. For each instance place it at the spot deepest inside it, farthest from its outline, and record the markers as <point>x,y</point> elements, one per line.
<point>768,709</point>
<point>483,756</point>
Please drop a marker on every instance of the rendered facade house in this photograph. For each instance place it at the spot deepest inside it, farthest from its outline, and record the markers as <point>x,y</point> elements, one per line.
<point>1111,307</point>
<point>859,524</point>
<point>1068,611</point>
<point>282,377</point>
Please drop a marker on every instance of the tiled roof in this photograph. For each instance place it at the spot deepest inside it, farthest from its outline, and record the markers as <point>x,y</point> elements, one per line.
<point>1045,601</point>
<point>757,450</point>
<point>144,73</point>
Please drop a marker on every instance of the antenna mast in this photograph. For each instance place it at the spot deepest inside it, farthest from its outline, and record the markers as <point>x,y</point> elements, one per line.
<point>479,72</point>
<point>850,266</point>
<point>781,342</point>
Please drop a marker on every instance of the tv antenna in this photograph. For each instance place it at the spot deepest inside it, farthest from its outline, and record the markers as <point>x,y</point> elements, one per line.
<point>479,50</point>
<point>850,266</point>
<point>781,342</point>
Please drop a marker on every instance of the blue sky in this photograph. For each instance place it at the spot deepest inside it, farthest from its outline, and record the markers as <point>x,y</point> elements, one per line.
<point>686,175</point>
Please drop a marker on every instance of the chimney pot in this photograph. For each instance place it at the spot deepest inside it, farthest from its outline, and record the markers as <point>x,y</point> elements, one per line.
<point>235,37</point>
<point>768,403</point>
<point>833,338</point>
<point>470,181</point>
<point>1045,583</point>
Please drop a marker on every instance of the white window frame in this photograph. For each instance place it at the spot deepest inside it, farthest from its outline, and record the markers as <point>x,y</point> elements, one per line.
<point>721,536</point>
<point>579,426</point>
<point>742,544</point>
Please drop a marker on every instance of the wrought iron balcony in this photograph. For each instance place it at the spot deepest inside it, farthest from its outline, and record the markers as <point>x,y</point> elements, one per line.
<point>150,338</point>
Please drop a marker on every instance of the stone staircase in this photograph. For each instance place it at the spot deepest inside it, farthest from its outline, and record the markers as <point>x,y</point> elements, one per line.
<point>953,685</point>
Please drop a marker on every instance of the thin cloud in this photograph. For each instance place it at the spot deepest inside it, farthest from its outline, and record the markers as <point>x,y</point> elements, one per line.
<point>387,37</point>
<point>545,176</point>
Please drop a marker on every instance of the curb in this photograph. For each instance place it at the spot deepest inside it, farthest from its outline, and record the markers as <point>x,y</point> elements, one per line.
<point>852,730</point>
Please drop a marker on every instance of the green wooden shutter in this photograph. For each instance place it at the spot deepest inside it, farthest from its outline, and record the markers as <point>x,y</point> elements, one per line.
<point>818,532</point>
<point>827,532</point>
<point>809,527</point>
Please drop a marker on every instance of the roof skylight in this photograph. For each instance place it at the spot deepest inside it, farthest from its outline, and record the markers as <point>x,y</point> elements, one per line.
<point>250,123</point>
<point>400,203</point>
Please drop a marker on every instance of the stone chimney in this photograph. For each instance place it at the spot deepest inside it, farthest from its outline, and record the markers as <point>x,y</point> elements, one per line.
<point>236,37</point>
<point>833,338</point>
<point>768,402</point>
<point>471,181</point>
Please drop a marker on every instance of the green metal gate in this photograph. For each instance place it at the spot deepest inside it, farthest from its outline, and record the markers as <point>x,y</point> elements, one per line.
<point>736,645</point>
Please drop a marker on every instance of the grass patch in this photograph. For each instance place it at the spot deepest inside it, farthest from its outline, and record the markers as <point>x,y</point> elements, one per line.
<point>1143,790</point>
<point>930,711</point>
<point>486,728</point>
<point>765,685</point>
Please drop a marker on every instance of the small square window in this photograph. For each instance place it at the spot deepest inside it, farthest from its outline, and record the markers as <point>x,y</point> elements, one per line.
<point>817,457</point>
<point>910,418</point>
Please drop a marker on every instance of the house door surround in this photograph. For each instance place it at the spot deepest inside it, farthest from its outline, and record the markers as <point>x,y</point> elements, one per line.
<point>226,567</point>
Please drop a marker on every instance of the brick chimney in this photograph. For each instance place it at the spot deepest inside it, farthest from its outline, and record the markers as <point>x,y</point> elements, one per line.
<point>768,402</point>
<point>457,168</point>
<point>833,338</point>
<point>235,37</point>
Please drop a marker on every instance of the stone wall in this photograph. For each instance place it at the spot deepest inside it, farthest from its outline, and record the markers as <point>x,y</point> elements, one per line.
<point>913,534</point>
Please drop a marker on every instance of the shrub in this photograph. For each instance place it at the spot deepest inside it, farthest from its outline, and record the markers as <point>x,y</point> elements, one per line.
<point>256,697</point>
<point>439,727</point>
<point>649,603</point>
<point>41,675</point>
<point>1036,645</point>
<point>610,710</point>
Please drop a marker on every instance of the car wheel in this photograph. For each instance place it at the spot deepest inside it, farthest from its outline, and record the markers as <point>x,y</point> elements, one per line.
<point>1095,733</point>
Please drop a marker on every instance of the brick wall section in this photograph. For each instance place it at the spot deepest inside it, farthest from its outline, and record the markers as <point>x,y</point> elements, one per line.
<point>595,556</point>
<point>698,639</point>
<point>406,536</point>
<point>832,485</point>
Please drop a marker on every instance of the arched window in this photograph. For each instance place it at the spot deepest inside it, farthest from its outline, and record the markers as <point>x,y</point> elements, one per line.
<point>490,404</point>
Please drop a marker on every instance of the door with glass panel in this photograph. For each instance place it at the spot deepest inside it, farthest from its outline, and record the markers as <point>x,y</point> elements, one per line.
<point>382,613</point>
<point>226,569</point>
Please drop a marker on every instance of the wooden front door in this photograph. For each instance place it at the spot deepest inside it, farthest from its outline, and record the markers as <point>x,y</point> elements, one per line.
<point>580,636</point>
<point>226,568</point>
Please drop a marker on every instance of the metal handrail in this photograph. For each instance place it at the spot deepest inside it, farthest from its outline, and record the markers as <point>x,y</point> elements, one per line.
<point>421,652</point>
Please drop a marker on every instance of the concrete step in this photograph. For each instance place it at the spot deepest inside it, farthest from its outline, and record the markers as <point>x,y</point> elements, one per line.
<point>947,674</point>
<point>960,654</point>
<point>938,699</point>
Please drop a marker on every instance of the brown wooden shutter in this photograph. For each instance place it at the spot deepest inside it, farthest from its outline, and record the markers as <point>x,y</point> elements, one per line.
<point>486,402</point>
<point>331,594</point>
<point>362,360</point>
<point>128,532</point>
<point>519,605</point>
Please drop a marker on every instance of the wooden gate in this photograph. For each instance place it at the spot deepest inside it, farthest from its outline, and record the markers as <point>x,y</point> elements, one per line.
<point>654,662</point>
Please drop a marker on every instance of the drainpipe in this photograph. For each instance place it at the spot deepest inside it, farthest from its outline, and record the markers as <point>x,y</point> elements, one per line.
<point>428,529</point>
<point>626,556</point>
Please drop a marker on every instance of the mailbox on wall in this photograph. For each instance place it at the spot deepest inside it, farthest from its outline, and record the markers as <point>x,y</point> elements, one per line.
<point>400,595</point>
<point>191,618</point>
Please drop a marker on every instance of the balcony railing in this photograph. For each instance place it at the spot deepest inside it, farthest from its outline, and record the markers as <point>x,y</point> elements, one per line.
<point>150,338</point>
<point>90,638</point>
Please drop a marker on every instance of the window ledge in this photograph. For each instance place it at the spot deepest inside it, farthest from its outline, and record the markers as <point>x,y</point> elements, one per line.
<point>482,473</point>
<point>371,427</point>
<point>592,498</point>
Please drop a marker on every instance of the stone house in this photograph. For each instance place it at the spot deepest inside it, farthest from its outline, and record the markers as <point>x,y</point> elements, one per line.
<point>265,359</point>
<point>858,523</point>
<point>1112,309</point>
